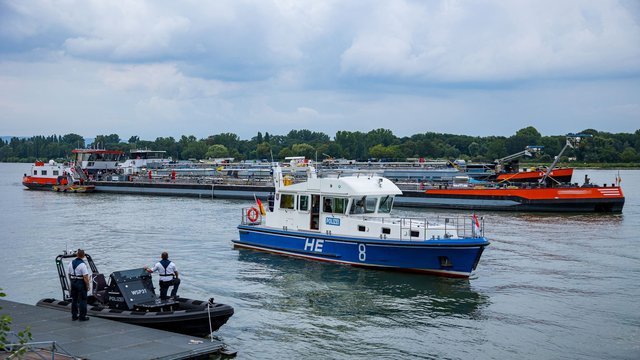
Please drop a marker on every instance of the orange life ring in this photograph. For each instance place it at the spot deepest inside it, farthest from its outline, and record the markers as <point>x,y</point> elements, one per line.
<point>252,214</point>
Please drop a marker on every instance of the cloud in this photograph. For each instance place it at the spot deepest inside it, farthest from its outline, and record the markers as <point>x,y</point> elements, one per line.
<point>241,66</point>
<point>494,41</point>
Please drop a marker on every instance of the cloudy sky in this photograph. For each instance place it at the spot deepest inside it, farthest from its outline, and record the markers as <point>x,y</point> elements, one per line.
<point>168,68</point>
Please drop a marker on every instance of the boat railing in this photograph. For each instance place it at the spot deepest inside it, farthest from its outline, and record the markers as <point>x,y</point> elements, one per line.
<point>421,228</point>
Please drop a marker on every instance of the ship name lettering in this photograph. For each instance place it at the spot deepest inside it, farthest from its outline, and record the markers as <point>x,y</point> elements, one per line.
<point>311,244</point>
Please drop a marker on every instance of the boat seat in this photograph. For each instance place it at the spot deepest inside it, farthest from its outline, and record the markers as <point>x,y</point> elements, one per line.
<point>98,282</point>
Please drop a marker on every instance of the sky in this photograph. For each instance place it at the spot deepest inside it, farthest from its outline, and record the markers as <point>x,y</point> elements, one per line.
<point>171,68</point>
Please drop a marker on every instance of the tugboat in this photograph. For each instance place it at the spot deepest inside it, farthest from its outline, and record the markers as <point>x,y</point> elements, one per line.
<point>129,297</point>
<point>354,226</point>
<point>56,176</point>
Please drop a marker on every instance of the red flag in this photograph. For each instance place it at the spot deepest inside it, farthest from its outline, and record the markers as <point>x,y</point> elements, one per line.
<point>262,212</point>
<point>476,223</point>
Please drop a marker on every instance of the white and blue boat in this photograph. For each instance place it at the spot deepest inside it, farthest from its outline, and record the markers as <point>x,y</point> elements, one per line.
<point>347,220</point>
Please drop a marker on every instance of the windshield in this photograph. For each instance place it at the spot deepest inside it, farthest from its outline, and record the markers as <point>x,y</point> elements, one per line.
<point>386,203</point>
<point>363,205</point>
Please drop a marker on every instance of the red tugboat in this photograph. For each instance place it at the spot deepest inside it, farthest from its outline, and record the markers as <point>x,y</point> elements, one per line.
<point>545,196</point>
<point>56,176</point>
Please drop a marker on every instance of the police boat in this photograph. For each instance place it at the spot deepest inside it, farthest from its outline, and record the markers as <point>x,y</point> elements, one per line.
<point>346,220</point>
<point>128,296</point>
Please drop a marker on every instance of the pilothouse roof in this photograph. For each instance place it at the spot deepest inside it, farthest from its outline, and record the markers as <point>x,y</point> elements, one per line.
<point>353,186</point>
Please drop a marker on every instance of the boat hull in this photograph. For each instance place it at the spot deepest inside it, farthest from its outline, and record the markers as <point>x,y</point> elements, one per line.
<point>192,319</point>
<point>38,184</point>
<point>451,258</point>
<point>562,199</point>
<point>563,175</point>
<point>74,188</point>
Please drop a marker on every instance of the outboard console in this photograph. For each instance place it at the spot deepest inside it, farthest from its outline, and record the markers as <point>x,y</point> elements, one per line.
<point>133,290</point>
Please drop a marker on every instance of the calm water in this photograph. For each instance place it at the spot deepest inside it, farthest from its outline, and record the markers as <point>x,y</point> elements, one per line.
<point>548,287</point>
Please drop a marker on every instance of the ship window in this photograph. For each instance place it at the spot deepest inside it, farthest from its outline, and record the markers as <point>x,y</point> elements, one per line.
<point>35,172</point>
<point>303,203</point>
<point>370,205</point>
<point>386,203</point>
<point>56,172</point>
<point>286,201</point>
<point>386,230</point>
<point>327,205</point>
<point>339,205</point>
<point>361,228</point>
<point>363,205</point>
<point>415,233</point>
<point>44,172</point>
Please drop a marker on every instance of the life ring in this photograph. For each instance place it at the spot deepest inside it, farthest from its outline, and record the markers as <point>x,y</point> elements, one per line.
<point>252,214</point>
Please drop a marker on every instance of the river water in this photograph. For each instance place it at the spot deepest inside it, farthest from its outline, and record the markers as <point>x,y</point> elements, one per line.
<point>550,286</point>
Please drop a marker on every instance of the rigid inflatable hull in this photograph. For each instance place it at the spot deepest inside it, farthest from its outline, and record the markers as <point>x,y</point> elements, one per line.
<point>193,320</point>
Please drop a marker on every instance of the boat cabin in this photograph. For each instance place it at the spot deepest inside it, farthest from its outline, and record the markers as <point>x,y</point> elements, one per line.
<point>94,160</point>
<point>331,204</point>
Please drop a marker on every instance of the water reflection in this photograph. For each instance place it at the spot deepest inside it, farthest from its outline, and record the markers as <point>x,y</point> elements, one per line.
<point>342,291</point>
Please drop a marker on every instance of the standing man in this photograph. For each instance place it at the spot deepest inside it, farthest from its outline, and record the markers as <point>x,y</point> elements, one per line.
<point>79,276</point>
<point>168,276</point>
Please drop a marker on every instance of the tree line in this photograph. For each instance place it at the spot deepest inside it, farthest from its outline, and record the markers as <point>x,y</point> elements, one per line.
<point>378,144</point>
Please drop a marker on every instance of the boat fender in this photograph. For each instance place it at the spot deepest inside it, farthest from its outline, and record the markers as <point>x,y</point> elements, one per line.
<point>252,214</point>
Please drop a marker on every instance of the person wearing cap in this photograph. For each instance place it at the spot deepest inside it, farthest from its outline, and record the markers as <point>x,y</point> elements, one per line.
<point>168,276</point>
<point>79,277</point>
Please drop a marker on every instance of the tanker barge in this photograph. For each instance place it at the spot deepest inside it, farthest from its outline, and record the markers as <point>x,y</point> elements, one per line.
<point>560,198</point>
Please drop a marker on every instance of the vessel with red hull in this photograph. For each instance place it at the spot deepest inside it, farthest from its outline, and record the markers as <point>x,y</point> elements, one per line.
<point>548,195</point>
<point>561,175</point>
<point>587,198</point>
<point>44,176</point>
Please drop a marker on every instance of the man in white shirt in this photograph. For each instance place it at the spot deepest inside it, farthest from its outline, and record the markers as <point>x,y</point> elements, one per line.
<point>168,276</point>
<point>79,277</point>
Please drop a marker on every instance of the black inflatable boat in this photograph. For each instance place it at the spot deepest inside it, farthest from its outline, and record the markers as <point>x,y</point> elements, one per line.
<point>129,297</point>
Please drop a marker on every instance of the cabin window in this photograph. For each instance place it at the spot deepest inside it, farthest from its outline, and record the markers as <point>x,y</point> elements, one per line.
<point>386,230</point>
<point>339,205</point>
<point>361,228</point>
<point>35,172</point>
<point>327,205</point>
<point>286,201</point>
<point>303,203</point>
<point>363,205</point>
<point>370,205</point>
<point>415,233</point>
<point>334,205</point>
<point>44,172</point>
<point>386,203</point>
<point>56,172</point>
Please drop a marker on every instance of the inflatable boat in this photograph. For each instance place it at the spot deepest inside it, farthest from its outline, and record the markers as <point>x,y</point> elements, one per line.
<point>129,296</point>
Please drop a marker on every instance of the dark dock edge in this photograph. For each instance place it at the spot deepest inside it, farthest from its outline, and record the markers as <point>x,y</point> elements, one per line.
<point>105,339</point>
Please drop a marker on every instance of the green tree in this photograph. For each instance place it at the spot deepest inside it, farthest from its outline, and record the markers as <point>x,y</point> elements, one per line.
<point>474,149</point>
<point>216,151</point>
<point>523,138</point>
<point>629,155</point>
<point>194,150</point>
<point>263,150</point>
<point>305,150</point>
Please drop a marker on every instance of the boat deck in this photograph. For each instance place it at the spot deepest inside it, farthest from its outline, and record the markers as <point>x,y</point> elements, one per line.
<point>104,339</point>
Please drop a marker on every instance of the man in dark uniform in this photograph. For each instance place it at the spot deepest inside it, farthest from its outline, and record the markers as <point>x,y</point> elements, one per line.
<point>79,276</point>
<point>168,276</point>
